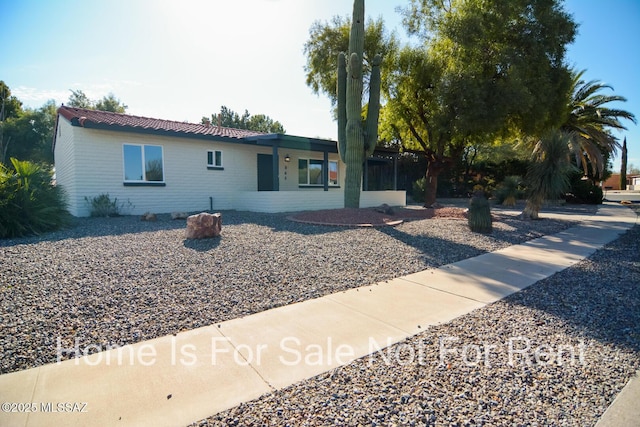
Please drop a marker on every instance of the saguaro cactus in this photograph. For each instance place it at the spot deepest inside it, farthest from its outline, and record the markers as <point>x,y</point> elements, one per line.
<point>356,140</point>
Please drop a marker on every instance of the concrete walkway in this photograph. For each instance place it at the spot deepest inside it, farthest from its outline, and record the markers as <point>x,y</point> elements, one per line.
<point>176,380</point>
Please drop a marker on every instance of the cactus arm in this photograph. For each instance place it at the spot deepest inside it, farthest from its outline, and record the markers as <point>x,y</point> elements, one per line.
<point>373,109</point>
<point>342,106</point>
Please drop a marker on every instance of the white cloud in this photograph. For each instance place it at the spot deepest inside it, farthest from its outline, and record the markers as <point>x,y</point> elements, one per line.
<point>34,97</point>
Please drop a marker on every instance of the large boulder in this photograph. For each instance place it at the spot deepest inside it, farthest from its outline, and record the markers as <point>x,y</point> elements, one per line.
<point>204,225</point>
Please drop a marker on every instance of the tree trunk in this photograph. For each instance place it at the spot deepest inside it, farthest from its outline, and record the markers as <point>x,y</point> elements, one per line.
<point>431,183</point>
<point>531,209</point>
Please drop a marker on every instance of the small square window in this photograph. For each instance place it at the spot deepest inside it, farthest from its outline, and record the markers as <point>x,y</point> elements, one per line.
<point>214,159</point>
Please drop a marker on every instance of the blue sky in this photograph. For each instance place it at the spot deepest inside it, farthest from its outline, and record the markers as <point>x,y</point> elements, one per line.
<point>182,60</point>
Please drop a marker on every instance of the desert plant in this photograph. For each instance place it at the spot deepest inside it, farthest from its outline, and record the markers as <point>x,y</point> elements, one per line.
<point>356,140</point>
<point>29,202</point>
<point>548,174</point>
<point>509,191</point>
<point>583,190</point>
<point>103,206</point>
<point>418,189</point>
<point>479,219</point>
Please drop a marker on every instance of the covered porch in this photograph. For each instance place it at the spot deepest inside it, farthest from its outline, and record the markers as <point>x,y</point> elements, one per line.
<point>306,174</point>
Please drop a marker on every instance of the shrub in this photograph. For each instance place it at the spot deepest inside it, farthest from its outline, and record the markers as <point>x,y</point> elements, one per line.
<point>509,191</point>
<point>419,189</point>
<point>29,202</point>
<point>583,191</point>
<point>103,206</point>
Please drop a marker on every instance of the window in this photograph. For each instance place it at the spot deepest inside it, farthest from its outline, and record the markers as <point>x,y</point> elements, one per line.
<point>311,172</point>
<point>143,163</point>
<point>333,173</point>
<point>214,159</point>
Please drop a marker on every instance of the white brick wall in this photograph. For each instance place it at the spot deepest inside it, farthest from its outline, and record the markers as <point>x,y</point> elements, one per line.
<point>89,162</point>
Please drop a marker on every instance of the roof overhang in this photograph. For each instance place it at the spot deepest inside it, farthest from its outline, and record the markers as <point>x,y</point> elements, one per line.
<point>295,142</point>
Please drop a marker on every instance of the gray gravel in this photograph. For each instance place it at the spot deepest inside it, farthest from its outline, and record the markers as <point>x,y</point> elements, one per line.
<point>592,308</point>
<point>117,281</point>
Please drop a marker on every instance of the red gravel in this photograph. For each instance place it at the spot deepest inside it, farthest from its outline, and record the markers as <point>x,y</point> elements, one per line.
<point>370,217</point>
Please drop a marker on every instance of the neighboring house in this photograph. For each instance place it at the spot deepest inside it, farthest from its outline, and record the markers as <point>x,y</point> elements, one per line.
<point>164,166</point>
<point>613,183</point>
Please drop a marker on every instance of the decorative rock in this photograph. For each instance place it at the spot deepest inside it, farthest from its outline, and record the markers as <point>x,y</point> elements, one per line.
<point>179,215</point>
<point>204,225</point>
<point>148,216</point>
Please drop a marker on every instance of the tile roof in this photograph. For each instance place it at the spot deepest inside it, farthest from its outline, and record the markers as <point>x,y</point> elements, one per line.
<point>107,120</point>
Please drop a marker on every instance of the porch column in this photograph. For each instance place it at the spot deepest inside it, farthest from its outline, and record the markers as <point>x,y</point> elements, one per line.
<point>325,171</point>
<point>276,166</point>
<point>365,175</point>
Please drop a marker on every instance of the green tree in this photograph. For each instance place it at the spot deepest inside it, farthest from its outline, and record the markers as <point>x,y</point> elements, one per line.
<point>10,108</point>
<point>231,119</point>
<point>589,122</point>
<point>416,115</point>
<point>470,83</point>
<point>328,39</point>
<point>78,99</point>
<point>31,133</point>
<point>112,104</point>
<point>623,166</point>
<point>266,124</point>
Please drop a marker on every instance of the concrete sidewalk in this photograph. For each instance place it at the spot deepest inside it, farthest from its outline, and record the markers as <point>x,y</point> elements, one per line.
<point>176,380</point>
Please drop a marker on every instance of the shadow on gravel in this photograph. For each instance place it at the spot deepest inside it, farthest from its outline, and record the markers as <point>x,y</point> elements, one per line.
<point>429,246</point>
<point>598,298</point>
<point>99,227</point>
<point>130,224</point>
<point>202,245</point>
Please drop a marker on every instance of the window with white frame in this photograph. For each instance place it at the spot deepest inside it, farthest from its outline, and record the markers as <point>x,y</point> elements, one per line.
<point>143,163</point>
<point>214,159</point>
<point>311,172</point>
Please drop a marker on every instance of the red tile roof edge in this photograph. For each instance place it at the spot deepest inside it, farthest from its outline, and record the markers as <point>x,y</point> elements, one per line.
<point>106,119</point>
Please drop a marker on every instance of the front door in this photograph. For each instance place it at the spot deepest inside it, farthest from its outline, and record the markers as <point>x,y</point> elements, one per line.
<point>265,172</point>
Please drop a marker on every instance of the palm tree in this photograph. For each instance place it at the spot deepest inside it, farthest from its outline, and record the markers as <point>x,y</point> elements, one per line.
<point>589,122</point>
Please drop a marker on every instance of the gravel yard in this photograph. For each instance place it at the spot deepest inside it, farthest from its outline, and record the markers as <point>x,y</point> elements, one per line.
<point>117,281</point>
<point>584,321</point>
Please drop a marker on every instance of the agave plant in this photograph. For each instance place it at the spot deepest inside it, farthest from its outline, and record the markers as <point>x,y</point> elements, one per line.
<point>508,191</point>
